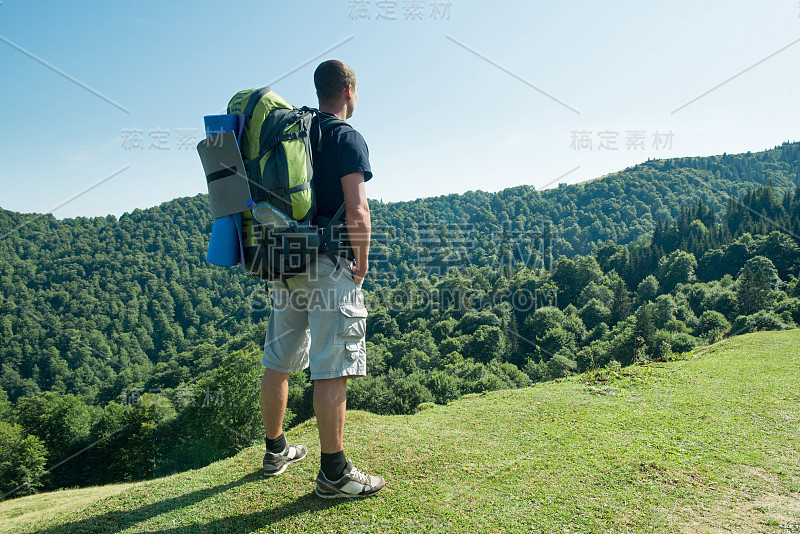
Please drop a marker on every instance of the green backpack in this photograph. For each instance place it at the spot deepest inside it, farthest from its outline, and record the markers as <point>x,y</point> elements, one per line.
<point>279,236</point>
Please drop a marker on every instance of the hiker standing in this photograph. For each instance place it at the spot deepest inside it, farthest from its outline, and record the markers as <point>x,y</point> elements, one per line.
<point>318,317</point>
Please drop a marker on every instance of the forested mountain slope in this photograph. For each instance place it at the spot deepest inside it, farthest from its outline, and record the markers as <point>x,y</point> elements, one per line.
<point>87,298</point>
<point>467,293</point>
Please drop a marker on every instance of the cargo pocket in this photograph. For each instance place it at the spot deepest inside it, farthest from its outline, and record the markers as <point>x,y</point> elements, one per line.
<point>352,321</point>
<point>352,350</point>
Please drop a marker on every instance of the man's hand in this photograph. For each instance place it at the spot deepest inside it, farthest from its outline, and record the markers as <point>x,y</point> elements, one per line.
<point>359,274</point>
<point>359,227</point>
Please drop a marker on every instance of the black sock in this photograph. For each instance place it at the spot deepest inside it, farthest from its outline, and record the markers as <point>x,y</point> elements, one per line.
<point>277,445</point>
<point>333,465</point>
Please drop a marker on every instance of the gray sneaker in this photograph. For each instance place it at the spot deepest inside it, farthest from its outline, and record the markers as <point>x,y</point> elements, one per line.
<point>275,464</point>
<point>352,485</point>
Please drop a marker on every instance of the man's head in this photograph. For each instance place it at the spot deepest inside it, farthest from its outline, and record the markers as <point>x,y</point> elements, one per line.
<point>336,87</point>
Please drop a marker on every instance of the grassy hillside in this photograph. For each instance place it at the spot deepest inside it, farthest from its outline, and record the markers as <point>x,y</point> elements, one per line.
<point>709,443</point>
<point>39,506</point>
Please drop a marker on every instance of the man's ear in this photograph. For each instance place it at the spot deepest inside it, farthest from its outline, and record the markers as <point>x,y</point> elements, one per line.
<point>348,92</point>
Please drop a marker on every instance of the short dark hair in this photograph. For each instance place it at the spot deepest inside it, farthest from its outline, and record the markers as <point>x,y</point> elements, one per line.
<point>331,78</point>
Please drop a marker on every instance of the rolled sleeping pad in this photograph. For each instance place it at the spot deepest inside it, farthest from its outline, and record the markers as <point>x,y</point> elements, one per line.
<point>216,124</point>
<point>225,245</point>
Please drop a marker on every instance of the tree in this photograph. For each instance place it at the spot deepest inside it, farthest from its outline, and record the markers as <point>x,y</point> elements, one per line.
<point>369,393</point>
<point>486,344</point>
<point>226,412</point>
<point>471,321</point>
<point>406,393</point>
<point>560,366</point>
<point>782,250</point>
<point>621,303</point>
<point>595,291</point>
<point>713,325</point>
<point>444,386</point>
<point>380,322</point>
<point>621,345</point>
<point>712,265</point>
<point>378,358</point>
<point>22,460</point>
<point>664,310</point>
<point>443,328</point>
<point>138,450</point>
<point>62,420</point>
<point>6,410</point>
<point>594,313</point>
<point>761,320</point>
<point>677,268</point>
<point>555,340</point>
<point>645,327</point>
<point>510,373</point>
<point>677,342</point>
<point>757,279</point>
<point>536,325</point>
<point>412,360</point>
<point>647,290</point>
<point>63,423</point>
<point>790,306</point>
<point>418,342</point>
<point>566,278</point>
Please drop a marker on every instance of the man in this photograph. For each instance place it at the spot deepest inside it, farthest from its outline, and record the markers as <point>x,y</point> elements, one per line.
<point>319,320</point>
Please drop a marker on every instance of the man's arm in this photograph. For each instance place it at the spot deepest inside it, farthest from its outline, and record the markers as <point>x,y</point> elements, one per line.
<point>359,227</point>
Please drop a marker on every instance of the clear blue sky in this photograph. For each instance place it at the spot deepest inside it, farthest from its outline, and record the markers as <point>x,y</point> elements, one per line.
<point>554,77</point>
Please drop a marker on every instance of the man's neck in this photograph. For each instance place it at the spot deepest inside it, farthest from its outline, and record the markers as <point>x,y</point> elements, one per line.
<point>340,112</point>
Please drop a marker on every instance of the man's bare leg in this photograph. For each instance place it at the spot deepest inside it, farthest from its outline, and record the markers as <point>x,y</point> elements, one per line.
<point>274,395</point>
<point>330,404</point>
<point>338,477</point>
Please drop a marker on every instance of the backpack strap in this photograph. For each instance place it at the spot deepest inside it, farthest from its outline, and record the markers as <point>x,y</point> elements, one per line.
<point>326,124</point>
<point>326,242</point>
<point>323,124</point>
<point>272,129</point>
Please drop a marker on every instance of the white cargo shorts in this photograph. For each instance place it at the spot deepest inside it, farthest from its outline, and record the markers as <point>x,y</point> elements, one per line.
<point>319,322</point>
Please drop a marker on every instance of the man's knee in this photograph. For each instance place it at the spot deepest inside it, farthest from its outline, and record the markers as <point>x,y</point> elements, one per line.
<point>331,389</point>
<point>271,376</point>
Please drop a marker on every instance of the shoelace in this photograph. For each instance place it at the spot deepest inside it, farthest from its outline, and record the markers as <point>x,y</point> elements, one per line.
<point>363,478</point>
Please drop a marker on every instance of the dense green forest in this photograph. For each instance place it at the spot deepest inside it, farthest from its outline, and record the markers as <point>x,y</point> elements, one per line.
<point>117,336</point>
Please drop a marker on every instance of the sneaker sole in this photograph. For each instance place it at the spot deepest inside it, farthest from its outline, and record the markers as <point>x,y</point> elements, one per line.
<point>283,467</point>
<point>332,495</point>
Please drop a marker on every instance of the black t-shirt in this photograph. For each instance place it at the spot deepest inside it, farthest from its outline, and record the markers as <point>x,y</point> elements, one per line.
<point>344,152</point>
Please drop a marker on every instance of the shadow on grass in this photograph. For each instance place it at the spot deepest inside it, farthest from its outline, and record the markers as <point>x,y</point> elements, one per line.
<point>115,521</point>
<point>252,522</point>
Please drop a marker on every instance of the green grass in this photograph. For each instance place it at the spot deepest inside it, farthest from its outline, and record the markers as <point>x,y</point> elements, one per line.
<point>708,443</point>
<point>23,510</point>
